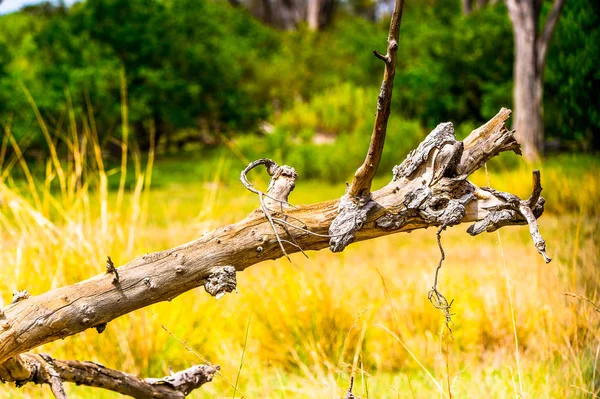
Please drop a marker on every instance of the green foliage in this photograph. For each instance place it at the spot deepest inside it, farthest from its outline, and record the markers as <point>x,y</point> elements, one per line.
<point>203,68</point>
<point>184,62</point>
<point>572,102</point>
<point>326,137</point>
<point>455,67</point>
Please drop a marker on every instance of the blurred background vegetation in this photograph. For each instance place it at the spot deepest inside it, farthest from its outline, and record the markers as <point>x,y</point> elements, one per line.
<point>124,125</point>
<point>205,71</point>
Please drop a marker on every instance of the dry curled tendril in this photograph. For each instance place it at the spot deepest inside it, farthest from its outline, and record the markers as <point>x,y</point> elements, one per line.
<point>274,170</point>
<point>437,299</point>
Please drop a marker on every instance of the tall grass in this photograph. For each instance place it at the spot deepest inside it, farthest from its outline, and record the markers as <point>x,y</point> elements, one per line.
<point>315,322</point>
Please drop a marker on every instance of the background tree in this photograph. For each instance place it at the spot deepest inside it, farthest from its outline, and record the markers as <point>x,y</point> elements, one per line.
<point>531,48</point>
<point>288,14</point>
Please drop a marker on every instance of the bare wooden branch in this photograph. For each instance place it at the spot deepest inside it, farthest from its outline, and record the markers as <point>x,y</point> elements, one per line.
<point>486,142</point>
<point>427,189</point>
<point>361,184</point>
<point>357,203</point>
<point>43,369</point>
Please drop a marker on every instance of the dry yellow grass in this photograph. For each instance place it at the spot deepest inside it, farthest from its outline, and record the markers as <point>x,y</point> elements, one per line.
<point>313,322</point>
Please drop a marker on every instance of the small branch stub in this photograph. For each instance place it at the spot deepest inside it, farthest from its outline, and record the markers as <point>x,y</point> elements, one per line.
<point>221,281</point>
<point>111,269</point>
<point>19,296</point>
<point>349,394</point>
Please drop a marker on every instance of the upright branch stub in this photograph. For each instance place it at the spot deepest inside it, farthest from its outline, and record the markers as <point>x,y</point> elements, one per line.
<point>283,182</point>
<point>111,269</point>
<point>356,203</point>
<point>361,184</point>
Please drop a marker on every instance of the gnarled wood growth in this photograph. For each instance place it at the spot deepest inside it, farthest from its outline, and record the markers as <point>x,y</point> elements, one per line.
<point>429,188</point>
<point>43,369</point>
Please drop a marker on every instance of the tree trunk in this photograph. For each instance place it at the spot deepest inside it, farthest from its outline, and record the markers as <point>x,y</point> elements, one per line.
<point>531,46</point>
<point>313,14</point>
<point>467,6</point>
<point>528,91</point>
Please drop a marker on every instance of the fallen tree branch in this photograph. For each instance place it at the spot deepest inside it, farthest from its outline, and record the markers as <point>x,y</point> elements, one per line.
<point>426,190</point>
<point>430,188</point>
<point>43,369</point>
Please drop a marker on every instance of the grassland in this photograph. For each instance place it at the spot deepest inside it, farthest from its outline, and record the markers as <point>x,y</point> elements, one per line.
<point>299,329</point>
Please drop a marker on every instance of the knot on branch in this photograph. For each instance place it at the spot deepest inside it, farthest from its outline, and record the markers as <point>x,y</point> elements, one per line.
<point>19,296</point>
<point>352,214</point>
<point>221,281</point>
<point>514,211</point>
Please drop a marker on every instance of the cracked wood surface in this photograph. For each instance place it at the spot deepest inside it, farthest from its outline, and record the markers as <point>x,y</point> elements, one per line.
<point>418,196</point>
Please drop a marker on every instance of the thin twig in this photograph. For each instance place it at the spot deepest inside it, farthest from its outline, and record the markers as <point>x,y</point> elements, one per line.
<point>268,216</point>
<point>579,296</point>
<point>437,299</point>
<point>361,184</point>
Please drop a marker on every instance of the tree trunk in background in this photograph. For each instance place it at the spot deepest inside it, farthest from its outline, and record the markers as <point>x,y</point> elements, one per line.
<point>287,14</point>
<point>531,46</point>
<point>313,14</point>
<point>467,6</point>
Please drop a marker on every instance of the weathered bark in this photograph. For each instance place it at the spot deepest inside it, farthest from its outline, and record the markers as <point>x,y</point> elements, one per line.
<point>531,47</point>
<point>357,202</point>
<point>43,369</point>
<point>430,188</point>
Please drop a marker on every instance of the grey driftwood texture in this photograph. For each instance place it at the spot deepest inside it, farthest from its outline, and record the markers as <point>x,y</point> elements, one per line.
<point>419,198</point>
<point>430,188</point>
<point>43,369</point>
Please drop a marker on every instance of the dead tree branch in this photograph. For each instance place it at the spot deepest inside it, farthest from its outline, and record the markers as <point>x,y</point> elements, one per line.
<point>43,369</point>
<point>429,188</point>
<point>426,190</point>
<point>357,202</point>
<point>361,185</point>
